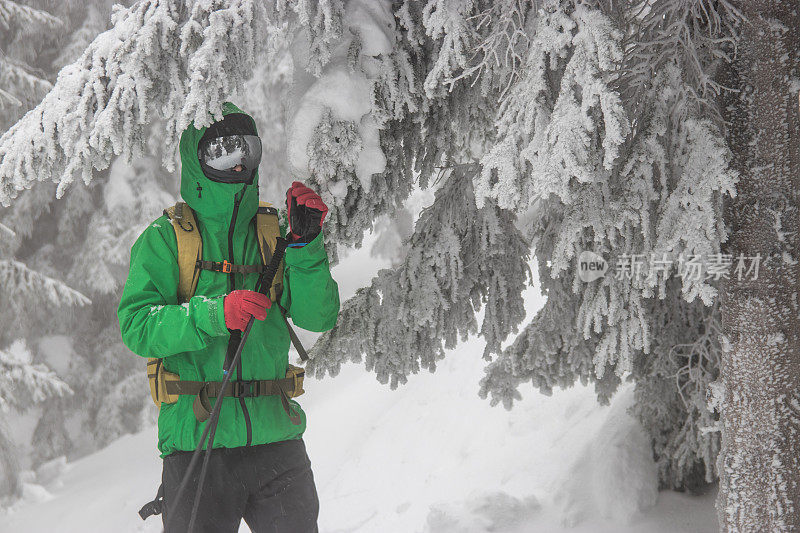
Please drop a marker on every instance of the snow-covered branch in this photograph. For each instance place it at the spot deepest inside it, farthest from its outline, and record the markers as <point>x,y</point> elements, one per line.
<point>460,259</point>
<point>498,58</point>
<point>448,20</point>
<point>12,12</point>
<point>29,88</point>
<point>18,279</point>
<point>696,34</point>
<point>8,231</point>
<point>161,60</point>
<point>23,383</point>
<point>551,134</point>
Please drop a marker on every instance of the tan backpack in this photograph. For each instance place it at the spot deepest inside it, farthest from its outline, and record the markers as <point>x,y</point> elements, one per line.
<point>167,387</point>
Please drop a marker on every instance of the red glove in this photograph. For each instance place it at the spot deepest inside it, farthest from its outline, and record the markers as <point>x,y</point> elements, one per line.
<point>306,211</point>
<point>240,305</point>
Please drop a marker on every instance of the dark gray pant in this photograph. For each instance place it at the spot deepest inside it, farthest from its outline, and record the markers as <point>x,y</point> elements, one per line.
<point>271,486</point>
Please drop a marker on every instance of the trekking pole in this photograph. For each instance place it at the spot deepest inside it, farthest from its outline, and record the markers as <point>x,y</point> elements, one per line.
<point>264,283</point>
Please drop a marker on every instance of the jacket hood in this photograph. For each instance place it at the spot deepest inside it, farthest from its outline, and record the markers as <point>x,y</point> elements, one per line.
<point>213,201</point>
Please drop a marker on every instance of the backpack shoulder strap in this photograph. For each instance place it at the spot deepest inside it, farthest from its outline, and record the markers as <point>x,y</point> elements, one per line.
<point>268,230</point>
<point>190,248</point>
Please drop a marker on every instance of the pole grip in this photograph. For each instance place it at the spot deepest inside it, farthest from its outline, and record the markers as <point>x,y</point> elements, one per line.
<point>267,275</point>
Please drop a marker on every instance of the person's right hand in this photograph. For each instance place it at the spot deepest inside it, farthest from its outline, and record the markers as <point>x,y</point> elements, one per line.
<point>240,305</point>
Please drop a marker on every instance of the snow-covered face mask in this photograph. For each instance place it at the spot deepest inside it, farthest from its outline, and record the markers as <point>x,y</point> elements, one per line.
<point>230,150</point>
<point>230,159</point>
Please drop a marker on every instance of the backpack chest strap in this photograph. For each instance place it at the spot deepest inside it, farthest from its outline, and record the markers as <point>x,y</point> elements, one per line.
<point>228,268</point>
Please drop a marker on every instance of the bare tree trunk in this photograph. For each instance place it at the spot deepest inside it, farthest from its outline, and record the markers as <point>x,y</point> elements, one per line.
<point>759,464</point>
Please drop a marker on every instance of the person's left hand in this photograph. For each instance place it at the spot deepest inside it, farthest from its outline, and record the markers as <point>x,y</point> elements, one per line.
<point>306,212</point>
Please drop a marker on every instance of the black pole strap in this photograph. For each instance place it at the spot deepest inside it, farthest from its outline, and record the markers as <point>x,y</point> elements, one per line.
<point>154,507</point>
<point>293,336</point>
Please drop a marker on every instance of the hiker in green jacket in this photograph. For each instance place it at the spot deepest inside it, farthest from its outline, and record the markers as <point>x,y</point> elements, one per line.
<point>259,469</point>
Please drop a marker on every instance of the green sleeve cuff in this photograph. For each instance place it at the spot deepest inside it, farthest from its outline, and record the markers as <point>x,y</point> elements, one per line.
<point>296,256</point>
<point>216,314</point>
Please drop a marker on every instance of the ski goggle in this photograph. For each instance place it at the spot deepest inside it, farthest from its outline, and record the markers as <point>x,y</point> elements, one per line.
<point>230,159</point>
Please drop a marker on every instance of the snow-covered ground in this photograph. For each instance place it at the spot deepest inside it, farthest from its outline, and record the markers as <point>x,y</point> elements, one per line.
<point>428,457</point>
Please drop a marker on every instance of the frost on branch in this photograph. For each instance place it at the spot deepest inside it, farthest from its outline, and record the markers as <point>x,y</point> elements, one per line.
<point>672,390</point>
<point>160,60</point>
<point>501,41</point>
<point>21,87</point>
<point>429,302</point>
<point>691,223</point>
<point>323,21</point>
<point>447,20</point>
<point>699,35</point>
<point>460,257</point>
<point>364,130</point>
<point>552,133</point>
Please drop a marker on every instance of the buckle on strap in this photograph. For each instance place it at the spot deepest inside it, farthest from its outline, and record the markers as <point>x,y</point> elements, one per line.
<point>227,267</point>
<point>245,389</point>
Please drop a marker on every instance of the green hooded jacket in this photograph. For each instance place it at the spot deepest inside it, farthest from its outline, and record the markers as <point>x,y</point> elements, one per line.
<point>192,337</point>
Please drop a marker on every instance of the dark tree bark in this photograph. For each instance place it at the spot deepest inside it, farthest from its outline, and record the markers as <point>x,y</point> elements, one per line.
<point>759,464</point>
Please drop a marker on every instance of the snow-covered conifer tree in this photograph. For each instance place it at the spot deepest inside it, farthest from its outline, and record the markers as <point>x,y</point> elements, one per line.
<point>586,170</point>
<point>549,127</point>
<point>25,381</point>
<point>21,85</point>
<point>71,240</point>
<point>641,178</point>
<point>24,289</point>
<point>23,384</point>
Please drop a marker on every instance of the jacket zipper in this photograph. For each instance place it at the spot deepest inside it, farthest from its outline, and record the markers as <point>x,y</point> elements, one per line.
<point>232,284</point>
